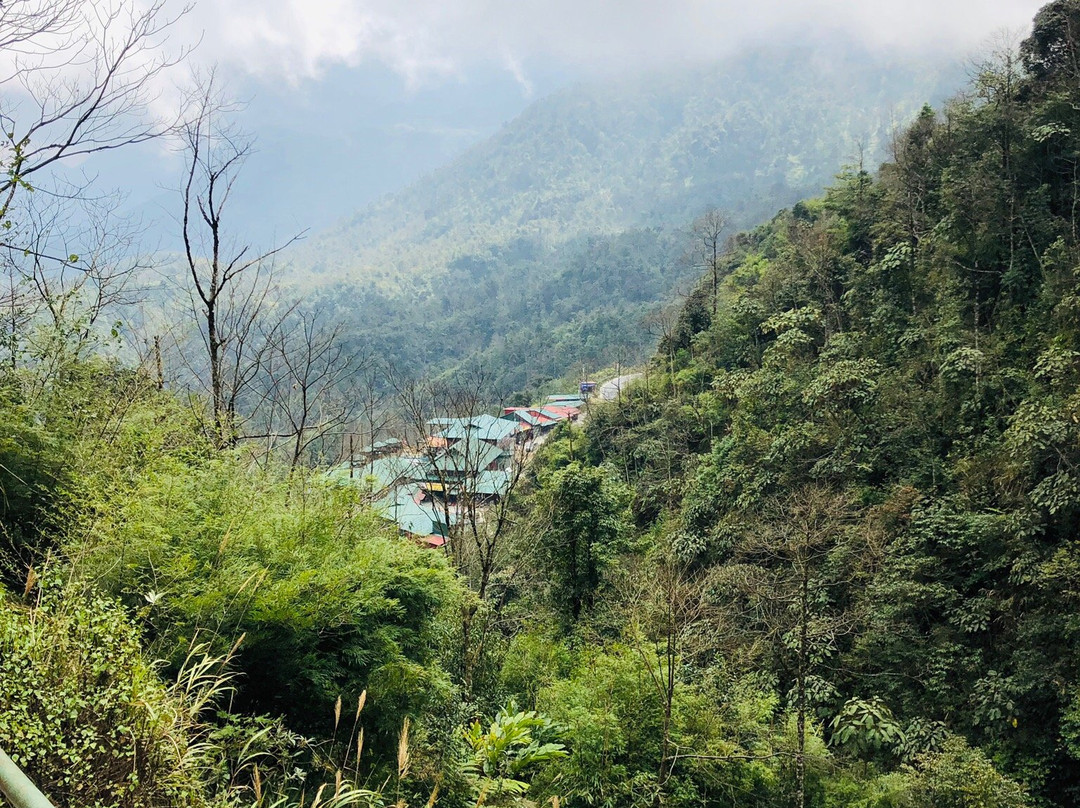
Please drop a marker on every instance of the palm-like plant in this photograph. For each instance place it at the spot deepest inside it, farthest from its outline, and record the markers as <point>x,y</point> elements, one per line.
<point>513,743</point>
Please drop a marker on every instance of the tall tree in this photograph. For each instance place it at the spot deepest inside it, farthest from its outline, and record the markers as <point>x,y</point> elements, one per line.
<point>708,231</point>
<point>231,284</point>
<point>583,522</point>
<point>666,599</point>
<point>1052,52</point>
<point>783,579</point>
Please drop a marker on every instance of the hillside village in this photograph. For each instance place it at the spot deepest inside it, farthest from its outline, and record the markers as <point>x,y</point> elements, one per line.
<point>462,464</point>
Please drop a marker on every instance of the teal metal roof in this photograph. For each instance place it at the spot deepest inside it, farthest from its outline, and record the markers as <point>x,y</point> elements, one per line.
<point>468,457</point>
<point>389,470</point>
<point>498,429</point>
<point>380,473</point>
<point>492,483</point>
<point>480,427</point>
<point>417,518</point>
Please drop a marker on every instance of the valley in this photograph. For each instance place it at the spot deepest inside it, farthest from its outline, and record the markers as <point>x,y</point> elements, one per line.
<point>707,436</point>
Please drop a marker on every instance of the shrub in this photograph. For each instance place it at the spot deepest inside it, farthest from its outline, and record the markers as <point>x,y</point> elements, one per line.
<point>961,777</point>
<point>85,715</point>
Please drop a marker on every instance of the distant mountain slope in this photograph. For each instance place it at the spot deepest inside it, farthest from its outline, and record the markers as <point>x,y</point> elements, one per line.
<point>644,153</point>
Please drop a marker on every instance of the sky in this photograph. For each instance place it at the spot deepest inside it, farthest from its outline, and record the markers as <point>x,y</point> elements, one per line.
<point>428,41</point>
<point>352,99</point>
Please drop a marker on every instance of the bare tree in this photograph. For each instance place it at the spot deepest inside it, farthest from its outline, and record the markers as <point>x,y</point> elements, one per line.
<point>820,261</point>
<point>662,325</point>
<point>478,523</point>
<point>666,603</point>
<point>708,230</point>
<point>374,414</point>
<point>79,78</point>
<point>305,379</point>
<point>78,260</point>
<point>231,284</point>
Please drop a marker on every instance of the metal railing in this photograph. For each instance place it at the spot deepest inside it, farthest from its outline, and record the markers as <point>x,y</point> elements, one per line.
<point>17,788</point>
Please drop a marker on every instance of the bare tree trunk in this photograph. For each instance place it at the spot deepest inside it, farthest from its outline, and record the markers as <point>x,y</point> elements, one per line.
<point>217,383</point>
<point>159,364</point>
<point>800,696</point>
<point>709,229</point>
<point>230,288</point>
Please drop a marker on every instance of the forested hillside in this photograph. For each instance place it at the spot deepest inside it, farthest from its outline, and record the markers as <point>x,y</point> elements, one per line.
<point>856,468</point>
<point>822,554</point>
<point>519,248</point>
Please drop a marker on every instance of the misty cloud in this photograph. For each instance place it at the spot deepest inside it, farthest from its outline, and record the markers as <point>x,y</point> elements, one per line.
<point>430,40</point>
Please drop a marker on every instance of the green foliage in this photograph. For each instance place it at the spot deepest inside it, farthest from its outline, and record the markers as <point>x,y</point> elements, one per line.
<point>114,481</point>
<point>962,777</point>
<point>585,509</point>
<point>328,603</point>
<point>1051,51</point>
<point>612,719</point>
<point>532,662</point>
<point>867,725</point>
<point>32,474</point>
<point>85,715</point>
<point>907,342</point>
<point>503,755</point>
<point>725,729</point>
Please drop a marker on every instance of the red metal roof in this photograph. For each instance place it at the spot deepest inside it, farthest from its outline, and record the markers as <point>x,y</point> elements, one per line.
<point>561,411</point>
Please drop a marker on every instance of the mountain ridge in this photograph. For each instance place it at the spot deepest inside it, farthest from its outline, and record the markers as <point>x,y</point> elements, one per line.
<point>466,261</point>
<point>683,126</point>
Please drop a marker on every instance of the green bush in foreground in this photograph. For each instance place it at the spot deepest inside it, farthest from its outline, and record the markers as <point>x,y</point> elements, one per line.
<point>85,715</point>
<point>329,603</point>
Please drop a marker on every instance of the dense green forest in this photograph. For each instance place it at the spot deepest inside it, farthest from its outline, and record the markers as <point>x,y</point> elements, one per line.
<point>547,245</point>
<point>861,454</point>
<point>821,554</point>
<point>525,314</point>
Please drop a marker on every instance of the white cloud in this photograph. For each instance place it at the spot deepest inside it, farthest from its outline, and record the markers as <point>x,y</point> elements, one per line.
<point>426,40</point>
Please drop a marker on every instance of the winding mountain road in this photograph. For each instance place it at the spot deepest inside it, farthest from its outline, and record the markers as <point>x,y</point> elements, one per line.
<point>609,390</point>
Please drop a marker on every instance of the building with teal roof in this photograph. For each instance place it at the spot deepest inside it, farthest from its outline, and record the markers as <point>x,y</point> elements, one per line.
<point>423,520</point>
<point>485,428</point>
<point>380,473</point>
